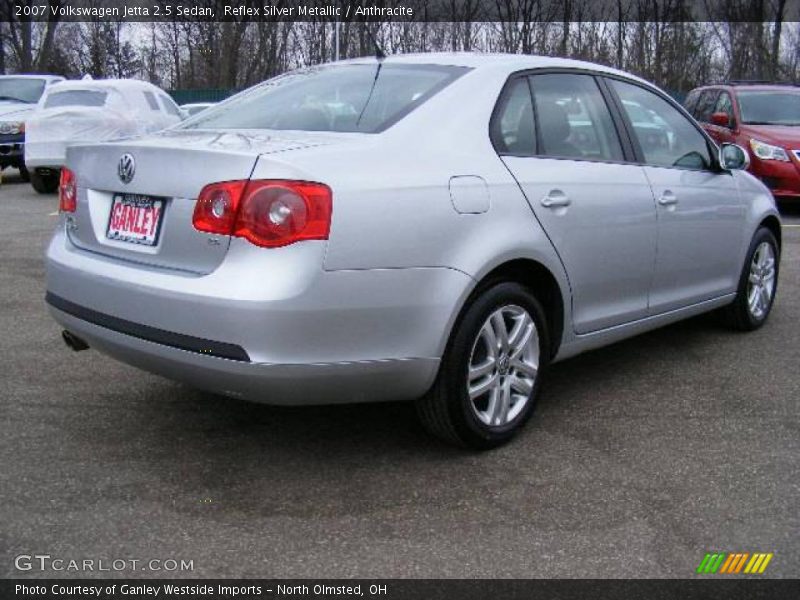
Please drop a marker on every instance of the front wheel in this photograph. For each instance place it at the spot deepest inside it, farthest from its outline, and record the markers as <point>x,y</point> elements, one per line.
<point>758,283</point>
<point>490,374</point>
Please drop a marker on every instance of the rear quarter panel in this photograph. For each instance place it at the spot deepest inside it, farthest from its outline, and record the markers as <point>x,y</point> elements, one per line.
<point>392,207</point>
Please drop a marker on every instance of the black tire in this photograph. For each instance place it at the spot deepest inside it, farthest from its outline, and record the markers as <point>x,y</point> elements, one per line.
<point>446,410</point>
<point>44,184</point>
<point>24,174</point>
<point>738,315</point>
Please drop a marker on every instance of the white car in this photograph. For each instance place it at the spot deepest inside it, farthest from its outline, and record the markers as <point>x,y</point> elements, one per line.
<point>18,97</point>
<point>91,111</point>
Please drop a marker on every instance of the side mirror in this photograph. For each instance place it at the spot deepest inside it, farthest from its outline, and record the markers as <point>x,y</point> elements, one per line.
<point>720,118</point>
<point>733,157</point>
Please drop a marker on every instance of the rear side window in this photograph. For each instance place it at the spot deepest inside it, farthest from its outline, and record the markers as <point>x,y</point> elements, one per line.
<point>668,138</point>
<point>365,98</point>
<point>513,127</point>
<point>151,100</point>
<point>705,105</point>
<point>691,101</point>
<point>169,106</point>
<point>76,98</point>
<point>572,118</point>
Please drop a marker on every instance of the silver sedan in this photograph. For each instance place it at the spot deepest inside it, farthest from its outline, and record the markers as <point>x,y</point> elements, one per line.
<point>437,228</point>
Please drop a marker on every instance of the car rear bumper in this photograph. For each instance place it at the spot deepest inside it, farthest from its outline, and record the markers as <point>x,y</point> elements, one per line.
<point>51,154</point>
<point>288,335</point>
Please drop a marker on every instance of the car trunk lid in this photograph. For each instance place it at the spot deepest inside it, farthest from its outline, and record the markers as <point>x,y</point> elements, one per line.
<point>169,170</point>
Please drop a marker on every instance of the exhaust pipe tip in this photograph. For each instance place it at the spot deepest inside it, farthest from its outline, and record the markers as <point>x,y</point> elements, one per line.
<point>73,342</point>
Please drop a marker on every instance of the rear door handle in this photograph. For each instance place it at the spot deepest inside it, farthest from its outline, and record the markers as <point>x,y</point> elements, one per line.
<point>668,199</point>
<point>555,199</point>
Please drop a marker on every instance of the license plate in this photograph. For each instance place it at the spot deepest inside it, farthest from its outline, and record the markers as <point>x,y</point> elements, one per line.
<point>135,219</point>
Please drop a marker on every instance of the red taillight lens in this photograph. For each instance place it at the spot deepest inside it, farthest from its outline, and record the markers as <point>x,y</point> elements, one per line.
<point>67,191</point>
<point>215,211</point>
<point>270,213</point>
<point>278,213</point>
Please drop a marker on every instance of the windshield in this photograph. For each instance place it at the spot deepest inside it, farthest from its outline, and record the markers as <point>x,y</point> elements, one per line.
<point>364,98</point>
<point>21,89</point>
<point>770,108</point>
<point>75,98</point>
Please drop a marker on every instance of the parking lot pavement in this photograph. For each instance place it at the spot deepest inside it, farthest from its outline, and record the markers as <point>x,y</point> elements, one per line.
<point>642,457</point>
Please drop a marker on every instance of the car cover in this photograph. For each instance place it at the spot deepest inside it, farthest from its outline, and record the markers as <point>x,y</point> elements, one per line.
<point>93,111</point>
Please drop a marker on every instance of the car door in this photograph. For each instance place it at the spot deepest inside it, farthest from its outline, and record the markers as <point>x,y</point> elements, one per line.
<point>594,204</point>
<point>700,213</point>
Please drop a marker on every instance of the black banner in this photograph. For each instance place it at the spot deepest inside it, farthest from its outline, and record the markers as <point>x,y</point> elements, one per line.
<point>557,11</point>
<point>393,589</point>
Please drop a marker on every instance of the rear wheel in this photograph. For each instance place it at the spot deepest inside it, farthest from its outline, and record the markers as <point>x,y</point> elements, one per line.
<point>489,378</point>
<point>44,183</point>
<point>757,284</point>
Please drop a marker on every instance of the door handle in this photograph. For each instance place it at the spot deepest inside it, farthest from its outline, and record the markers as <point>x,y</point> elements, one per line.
<point>555,199</point>
<point>668,199</point>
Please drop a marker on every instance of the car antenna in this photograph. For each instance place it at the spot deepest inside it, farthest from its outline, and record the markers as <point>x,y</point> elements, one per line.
<point>380,56</point>
<point>379,53</point>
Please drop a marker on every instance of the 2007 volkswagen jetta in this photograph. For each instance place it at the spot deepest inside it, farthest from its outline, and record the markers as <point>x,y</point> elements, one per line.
<point>436,228</point>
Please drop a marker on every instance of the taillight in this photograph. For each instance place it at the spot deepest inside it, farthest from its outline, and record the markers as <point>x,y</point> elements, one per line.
<point>67,191</point>
<point>268,212</point>
<point>215,211</point>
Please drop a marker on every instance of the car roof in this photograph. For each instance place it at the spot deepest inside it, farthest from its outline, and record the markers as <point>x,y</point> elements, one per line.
<point>104,84</point>
<point>32,76</point>
<point>758,87</point>
<point>508,62</point>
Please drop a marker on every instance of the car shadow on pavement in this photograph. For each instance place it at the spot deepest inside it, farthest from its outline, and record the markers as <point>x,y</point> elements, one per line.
<point>207,450</point>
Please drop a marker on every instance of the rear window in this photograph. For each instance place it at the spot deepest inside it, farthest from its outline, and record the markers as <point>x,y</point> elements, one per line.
<point>76,98</point>
<point>364,98</point>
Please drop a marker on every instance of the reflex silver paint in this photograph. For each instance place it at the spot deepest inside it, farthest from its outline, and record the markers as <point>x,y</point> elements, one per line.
<point>422,212</point>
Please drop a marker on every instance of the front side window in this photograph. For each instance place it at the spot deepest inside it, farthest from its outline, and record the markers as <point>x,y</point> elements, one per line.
<point>75,98</point>
<point>513,129</point>
<point>169,106</point>
<point>363,98</point>
<point>572,118</point>
<point>21,89</point>
<point>769,107</point>
<point>724,104</point>
<point>669,139</point>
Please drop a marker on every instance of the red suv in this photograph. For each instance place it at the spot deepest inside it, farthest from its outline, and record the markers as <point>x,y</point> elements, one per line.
<point>761,117</point>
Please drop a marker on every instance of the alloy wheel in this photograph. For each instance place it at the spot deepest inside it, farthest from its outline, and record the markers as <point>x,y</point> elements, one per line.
<point>503,366</point>
<point>761,281</point>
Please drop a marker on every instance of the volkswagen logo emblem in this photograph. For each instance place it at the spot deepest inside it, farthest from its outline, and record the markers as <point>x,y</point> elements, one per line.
<point>126,168</point>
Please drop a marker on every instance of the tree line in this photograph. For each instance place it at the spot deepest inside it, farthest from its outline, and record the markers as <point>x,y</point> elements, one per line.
<point>742,39</point>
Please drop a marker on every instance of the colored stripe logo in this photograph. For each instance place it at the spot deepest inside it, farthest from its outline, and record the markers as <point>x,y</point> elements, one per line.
<point>734,563</point>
